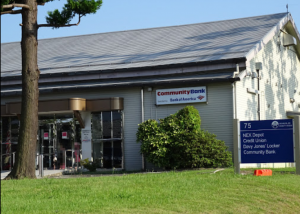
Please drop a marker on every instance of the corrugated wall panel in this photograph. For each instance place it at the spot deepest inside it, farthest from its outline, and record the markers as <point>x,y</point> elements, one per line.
<point>280,81</point>
<point>216,115</point>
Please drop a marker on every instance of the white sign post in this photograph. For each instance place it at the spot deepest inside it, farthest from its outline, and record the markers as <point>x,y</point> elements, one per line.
<point>181,95</point>
<point>297,143</point>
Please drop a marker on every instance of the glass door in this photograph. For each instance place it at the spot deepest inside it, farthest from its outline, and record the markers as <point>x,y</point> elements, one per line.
<point>9,141</point>
<point>68,139</point>
<point>47,140</point>
<point>58,141</point>
<point>107,139</point>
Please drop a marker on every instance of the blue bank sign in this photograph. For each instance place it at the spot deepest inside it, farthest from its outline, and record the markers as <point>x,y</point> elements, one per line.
<point>267,141</point>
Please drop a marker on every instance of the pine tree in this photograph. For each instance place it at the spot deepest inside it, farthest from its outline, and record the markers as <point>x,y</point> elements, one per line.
<point>25,157</point>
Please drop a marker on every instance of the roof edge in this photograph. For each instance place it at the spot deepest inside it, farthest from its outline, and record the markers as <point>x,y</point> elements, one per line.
<point>140,69</point>
<point>261,44</point>
<point>150,28</point>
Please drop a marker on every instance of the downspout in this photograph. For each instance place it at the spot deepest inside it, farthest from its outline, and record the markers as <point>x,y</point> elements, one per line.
<point>143,119</point>
<point>236,146</point>
<point>234,92</point>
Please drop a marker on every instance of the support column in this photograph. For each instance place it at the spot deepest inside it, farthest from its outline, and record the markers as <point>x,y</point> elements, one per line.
<point>86,136</point>
<point>297,143</point>
<point>236,146</point>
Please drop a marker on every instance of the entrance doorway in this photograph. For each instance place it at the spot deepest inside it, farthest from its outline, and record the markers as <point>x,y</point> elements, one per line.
<point>59,141</point>
<point>107,138</point>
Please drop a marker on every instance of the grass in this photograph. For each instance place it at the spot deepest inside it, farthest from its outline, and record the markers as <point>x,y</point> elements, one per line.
<point>194,191</point>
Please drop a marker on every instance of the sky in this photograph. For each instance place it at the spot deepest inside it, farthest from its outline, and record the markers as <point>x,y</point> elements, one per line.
<point>120,15</point>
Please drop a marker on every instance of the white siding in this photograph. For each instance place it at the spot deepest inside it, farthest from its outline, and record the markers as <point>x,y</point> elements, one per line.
<point>280,81</point>
<point>280,78</point>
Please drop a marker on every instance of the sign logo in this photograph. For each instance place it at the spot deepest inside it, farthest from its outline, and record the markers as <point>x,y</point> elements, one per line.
<point>275,124</point>
<point>181,95</point>
<point>200,97</point>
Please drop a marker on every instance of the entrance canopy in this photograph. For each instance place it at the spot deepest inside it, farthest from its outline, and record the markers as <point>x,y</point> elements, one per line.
<point>64,105</point>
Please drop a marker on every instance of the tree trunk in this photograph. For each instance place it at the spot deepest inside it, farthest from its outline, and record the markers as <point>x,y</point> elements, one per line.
<point>25,157</point>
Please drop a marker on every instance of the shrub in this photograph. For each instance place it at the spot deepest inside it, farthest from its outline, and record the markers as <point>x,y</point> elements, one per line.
<point>89,165</point>
<point>178,142</point>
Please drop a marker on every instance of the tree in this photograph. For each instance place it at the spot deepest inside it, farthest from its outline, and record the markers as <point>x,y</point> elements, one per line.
<point>25,156</point>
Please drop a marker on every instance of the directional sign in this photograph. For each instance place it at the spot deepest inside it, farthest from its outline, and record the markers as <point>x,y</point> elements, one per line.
<point>267,141</point>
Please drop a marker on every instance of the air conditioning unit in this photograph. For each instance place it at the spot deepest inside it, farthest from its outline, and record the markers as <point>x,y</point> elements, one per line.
<point>289,40</point>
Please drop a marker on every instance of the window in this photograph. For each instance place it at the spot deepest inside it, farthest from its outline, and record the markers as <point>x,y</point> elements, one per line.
<point>107,139</point>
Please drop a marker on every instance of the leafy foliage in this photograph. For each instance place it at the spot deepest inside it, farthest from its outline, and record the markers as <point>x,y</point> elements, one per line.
<point>91,166</point>
<point>178,142</point>
<point>72,8</point>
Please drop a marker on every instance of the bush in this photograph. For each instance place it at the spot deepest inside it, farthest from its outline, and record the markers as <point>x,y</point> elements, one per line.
<point>89,165</point>
<point>178,142</point>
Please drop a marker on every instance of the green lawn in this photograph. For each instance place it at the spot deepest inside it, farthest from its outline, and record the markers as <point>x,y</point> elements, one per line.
<point>195,191</point>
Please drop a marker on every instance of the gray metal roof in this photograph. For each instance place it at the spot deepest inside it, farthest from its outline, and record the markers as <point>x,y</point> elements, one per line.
<point>201,42</point>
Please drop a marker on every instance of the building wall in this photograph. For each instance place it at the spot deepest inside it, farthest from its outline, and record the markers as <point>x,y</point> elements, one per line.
<point>216,115</point>
<point>132,116</point>
<point>280,81</point>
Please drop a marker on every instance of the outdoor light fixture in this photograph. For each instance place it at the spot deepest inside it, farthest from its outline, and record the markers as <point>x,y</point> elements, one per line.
<point>254,75</point>
<point>248,73</point>
<point>149,89</point>
<point>258,66</point>
<point>292,100</point>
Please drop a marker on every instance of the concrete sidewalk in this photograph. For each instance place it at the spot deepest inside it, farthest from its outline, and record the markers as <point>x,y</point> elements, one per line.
<point>47,173</point>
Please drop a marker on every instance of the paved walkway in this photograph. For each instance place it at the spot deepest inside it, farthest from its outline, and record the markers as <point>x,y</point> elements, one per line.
<point>46,173</point>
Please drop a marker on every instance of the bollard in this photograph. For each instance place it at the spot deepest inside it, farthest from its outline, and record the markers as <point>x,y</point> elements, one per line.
<point>236,146</point>
<point>41,167</point>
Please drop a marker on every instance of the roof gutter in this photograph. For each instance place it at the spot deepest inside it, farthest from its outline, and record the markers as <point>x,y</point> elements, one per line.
<point>127,84</point>
<point>182,66</point>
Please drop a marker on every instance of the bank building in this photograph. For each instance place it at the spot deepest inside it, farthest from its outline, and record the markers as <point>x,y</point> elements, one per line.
<point>95,89</point>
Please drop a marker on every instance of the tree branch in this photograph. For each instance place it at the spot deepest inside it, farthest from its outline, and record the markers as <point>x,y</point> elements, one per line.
<point>15,5</point>
<point>57,26</point>
<point>11,12</point>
